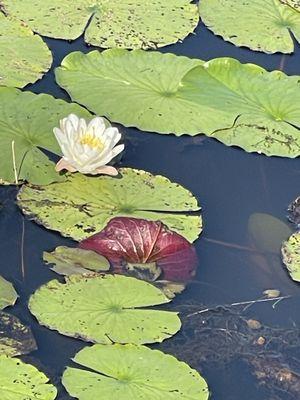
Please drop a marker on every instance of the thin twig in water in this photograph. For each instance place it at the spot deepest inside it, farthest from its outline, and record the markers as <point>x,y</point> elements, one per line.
<point>276,300</point>
<point>22,250</point>
<point>14,161</point>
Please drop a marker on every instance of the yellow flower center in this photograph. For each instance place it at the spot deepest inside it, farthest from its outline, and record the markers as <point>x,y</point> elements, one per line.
<point>92,141</point>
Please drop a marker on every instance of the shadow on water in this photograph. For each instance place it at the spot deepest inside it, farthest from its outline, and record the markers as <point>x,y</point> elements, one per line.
<point>230,184</point>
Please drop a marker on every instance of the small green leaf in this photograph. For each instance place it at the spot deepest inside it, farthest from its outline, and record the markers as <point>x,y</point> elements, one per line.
<point>8,295</point>
<point>20,381</point>
<point>15,338</point>
<point>122,23</point>
<point>69,261</point>
<point>104,309</point>
<point>26,126</point>
<point>132,372</point>
<point>83,205</point>
<point>291,256</point>
<point>262,25</point>
<point>24,57</point>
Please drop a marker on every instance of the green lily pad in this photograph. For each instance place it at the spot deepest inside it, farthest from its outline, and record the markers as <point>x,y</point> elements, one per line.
<point>262,25</point>
<point>15,338</point>
<point>132,372</point>
<point>24,57</point>
<point>69,261</point>
<point>123,23</point>
<point>26,126</point>
<point>104,309</point>
<point>292,3</point>
<point>8,295</point>
<point>164,93</point>
<point>84,205</point>
<point>20,381</point>
<point>291,256</point>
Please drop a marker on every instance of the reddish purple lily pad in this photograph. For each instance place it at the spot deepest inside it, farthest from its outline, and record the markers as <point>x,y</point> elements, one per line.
<point>130,241</point>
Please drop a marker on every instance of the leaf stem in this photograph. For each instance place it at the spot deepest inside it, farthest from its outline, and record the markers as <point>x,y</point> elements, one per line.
<point>14,161</point>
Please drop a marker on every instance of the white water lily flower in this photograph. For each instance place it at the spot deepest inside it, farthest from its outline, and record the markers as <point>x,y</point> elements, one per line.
<point>87,148</point>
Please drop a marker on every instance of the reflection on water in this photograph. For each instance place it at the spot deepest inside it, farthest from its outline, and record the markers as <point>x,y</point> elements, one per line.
<point>231,185</point>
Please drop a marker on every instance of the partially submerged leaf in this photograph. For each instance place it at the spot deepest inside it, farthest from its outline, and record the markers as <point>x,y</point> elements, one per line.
<point>104,309</point>
<point>20,381</point>
<point>291,256</point>
<point>132,372</point>
<point>267,232</point>
<point>164,93</point>
<point>26,126</point>
<point>122,23</point>
<point>84,205</point>
<point>15,338</point>
<point>139,242</point>
<point>24,57</point>
<point>68,261</point>
<point>8,295</point>
<point>170,289</point>
<point>263,25</point>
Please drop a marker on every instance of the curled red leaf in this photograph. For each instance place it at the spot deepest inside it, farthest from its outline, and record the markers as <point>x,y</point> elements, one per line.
<point>138,241</point>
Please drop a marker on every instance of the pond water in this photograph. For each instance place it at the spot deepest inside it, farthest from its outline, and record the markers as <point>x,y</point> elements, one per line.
<point>230,184</point>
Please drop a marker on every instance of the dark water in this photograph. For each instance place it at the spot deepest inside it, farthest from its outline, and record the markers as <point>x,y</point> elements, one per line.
<point>230,185</point>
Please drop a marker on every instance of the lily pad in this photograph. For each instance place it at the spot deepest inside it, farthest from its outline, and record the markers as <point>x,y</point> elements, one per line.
<point>8,295</point>
<point>24,57</point>
<point>104,309</point>
<point>69,261</point>
<point>123,23</point>
<point>15,338</point>
<point>84,205</point>
<point>291,255</point>
<point>262,25</point>
<point>132,372</point>
<point>26,126</point>
<point>239,104</point>
<point>20,381</point>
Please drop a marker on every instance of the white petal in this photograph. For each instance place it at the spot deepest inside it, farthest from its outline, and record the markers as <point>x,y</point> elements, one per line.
<point>81,130</point>
<point>96,126</point>
<point>60,136</point>
<point>112,135</point>
<point>118,149</point>
<point>74,120</point>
